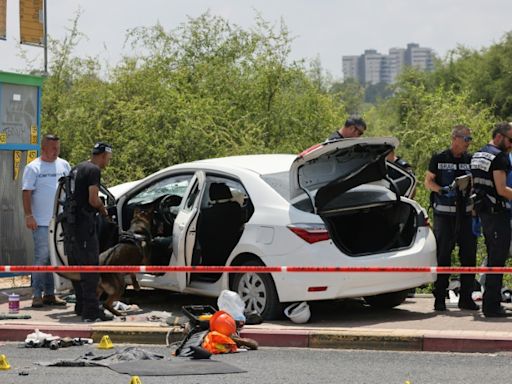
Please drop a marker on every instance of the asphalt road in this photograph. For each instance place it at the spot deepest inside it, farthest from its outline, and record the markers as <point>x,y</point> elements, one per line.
<point>271,365</point>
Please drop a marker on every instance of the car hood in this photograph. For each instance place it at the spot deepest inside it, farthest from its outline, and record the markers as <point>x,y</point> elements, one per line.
<point>328,169</point>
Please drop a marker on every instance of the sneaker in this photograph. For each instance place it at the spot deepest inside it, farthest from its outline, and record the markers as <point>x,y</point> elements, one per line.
<point>100,317</point>
<point>53,300</point>
<point>37,302</point>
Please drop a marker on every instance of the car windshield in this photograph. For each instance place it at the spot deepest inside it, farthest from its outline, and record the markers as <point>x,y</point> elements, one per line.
<point>163,187</point>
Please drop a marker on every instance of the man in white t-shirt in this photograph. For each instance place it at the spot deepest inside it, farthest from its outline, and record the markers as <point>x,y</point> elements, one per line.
<point>40,181</point>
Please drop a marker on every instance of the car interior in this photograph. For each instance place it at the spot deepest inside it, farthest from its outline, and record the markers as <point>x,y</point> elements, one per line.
<point>367,230</point>
<point>224,209</point>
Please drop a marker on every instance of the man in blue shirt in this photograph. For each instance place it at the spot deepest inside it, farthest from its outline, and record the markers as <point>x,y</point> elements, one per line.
<point>40,180</point>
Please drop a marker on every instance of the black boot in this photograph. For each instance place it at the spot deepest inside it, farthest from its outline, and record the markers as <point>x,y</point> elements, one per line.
<point>439,304</point>
<point>468,304</point>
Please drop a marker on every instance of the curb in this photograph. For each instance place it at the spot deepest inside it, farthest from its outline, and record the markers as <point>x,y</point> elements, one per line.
<point>11,332</point>
<point>281,338</point>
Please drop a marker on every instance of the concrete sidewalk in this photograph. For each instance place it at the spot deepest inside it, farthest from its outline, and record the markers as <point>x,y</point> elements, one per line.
<point>413,326</point>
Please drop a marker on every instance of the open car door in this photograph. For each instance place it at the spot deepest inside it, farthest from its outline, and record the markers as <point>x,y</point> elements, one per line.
<point>405,181</point>
<point>185,226</point>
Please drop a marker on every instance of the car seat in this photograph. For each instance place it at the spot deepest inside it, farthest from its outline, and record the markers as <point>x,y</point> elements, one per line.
<point>219,227</point>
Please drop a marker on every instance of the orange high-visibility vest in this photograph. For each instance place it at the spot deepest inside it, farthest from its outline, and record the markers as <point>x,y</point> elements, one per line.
<point>216,343</point>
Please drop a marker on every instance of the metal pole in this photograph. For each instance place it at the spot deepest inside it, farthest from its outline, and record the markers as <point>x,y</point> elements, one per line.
<point>45,21</point>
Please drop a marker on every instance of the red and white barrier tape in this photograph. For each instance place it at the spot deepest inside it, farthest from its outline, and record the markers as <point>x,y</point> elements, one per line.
<point>239,269</point>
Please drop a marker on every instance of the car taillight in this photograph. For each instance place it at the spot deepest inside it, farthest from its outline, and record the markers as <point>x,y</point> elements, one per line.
<point>311,233</point>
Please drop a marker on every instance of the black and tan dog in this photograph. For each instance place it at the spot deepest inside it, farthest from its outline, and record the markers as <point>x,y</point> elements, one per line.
<point>133,249</point>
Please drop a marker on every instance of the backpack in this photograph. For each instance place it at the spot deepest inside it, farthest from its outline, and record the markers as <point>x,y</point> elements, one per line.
<point>67,216</point>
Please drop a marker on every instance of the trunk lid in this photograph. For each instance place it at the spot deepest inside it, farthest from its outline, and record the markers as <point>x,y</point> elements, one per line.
<point>326,170</point>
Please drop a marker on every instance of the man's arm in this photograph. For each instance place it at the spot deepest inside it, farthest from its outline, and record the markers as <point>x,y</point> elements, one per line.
<point>430,183</point>
<point>500,182</point>
<point>30,222</point>
<point>95,201</point>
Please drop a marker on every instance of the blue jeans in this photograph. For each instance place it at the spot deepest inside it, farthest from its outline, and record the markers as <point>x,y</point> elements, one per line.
<point>42,282</point>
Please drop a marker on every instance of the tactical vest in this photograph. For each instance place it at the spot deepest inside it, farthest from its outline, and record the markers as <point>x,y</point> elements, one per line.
<point>447,171</point>
<point>487,197</point>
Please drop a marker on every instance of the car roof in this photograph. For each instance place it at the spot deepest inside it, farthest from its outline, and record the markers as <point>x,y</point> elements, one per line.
<point>260,164</point>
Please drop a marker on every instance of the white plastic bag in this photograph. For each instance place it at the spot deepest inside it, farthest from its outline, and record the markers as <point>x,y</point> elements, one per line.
<point>231,303</point>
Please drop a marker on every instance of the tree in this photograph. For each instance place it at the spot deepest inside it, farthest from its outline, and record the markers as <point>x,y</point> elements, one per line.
<point>351,94</point>
<point>206,89</point>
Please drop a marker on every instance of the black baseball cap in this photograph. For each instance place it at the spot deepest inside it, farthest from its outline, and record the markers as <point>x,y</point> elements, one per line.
<point>100,147</point>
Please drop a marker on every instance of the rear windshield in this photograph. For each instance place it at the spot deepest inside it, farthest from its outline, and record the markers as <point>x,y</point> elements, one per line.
<point>280,182</point>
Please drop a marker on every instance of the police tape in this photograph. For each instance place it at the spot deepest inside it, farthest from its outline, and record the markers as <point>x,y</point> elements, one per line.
<point>246,268</point>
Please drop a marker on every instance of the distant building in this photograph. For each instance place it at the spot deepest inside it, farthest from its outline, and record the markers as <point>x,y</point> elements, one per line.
<point>373,67</point>
<point>350,65</point>
<point>418,57</point>
<point>370,67</point>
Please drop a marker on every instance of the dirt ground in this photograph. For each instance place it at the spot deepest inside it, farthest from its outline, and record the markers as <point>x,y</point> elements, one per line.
<point>14,282</point>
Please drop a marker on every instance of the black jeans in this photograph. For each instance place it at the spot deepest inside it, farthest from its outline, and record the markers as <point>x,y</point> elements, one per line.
<point>446,239</point>
<point>496,228</point>
<point>85,251</point>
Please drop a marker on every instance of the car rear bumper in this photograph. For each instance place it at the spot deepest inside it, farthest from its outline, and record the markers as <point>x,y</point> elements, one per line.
<point>308,286</point>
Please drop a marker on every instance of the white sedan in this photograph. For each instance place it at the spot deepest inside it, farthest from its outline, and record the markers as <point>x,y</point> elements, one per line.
<point>332,205</point>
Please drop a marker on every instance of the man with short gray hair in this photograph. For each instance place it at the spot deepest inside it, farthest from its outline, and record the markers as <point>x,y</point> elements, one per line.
<point>452,216</point>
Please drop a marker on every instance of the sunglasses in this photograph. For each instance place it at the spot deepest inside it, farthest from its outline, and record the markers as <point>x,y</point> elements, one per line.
<point>508,137</point>
<point>358,130</point>
<point>466,138</point>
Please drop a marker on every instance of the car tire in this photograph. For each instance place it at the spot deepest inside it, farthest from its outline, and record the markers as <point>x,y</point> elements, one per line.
<point>258,292</point>
<point>387,300</point>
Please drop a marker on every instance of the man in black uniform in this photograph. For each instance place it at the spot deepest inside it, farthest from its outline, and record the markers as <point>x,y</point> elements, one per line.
<point>354,127</point>
<point>489,167</point>
<point>85,246</point>
<point>452,218</point>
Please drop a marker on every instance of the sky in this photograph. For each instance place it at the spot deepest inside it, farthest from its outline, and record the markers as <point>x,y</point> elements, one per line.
<point>324,29</point>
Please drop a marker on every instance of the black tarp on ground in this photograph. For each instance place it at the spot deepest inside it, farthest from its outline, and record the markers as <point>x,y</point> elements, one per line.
<point>175,367</point>
<point>138,362</point>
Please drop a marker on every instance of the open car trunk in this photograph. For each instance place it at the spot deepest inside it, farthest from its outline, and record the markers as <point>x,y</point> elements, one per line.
<point>347,183</point>
<point>372,228</point>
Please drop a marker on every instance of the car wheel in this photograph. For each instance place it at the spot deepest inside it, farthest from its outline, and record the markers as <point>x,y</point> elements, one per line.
<point>258,292</point>
<point>387,300</point>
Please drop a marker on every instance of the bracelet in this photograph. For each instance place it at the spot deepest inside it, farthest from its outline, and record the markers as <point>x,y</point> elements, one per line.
<point>27,216</point>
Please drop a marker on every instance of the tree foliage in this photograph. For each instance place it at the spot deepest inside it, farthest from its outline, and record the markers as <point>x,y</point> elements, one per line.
<point>485,74</point>
<point>205,89</point>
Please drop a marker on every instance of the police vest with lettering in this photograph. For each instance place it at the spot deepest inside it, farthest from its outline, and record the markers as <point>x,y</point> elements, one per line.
<point>483,180</point>
<point>447,168</point>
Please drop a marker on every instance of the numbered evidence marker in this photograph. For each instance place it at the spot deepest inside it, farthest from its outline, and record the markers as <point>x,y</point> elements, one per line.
<point>16,163</point>
<point>3,138</point>
<point>31,156</point>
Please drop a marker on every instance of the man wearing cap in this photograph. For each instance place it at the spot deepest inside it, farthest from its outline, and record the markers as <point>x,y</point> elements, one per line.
<point>452,216</point>
<point>85,245</point>
<point>354,127</point>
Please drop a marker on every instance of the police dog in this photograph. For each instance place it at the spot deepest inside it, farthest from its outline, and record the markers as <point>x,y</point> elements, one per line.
<point>133,249</point>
